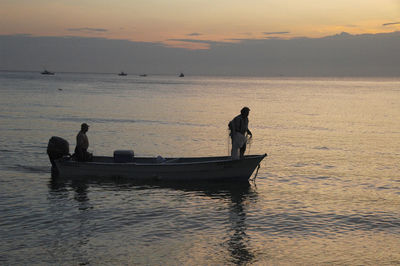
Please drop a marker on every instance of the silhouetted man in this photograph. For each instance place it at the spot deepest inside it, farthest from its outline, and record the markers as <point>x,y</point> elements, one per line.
<point>82,144</point>
<point>239,127</point>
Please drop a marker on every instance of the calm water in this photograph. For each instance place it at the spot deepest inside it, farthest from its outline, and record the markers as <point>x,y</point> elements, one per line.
<point>329,191</point>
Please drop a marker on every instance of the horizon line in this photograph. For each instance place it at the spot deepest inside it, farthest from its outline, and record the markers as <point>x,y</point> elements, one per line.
<point>209,75</point>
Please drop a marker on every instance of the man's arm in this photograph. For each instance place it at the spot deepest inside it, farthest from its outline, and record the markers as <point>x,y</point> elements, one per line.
<point>233,129</point>
<point>249,132</point>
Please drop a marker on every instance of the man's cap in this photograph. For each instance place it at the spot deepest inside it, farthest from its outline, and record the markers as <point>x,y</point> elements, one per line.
<point>245,109</point>
<point>84,125</point>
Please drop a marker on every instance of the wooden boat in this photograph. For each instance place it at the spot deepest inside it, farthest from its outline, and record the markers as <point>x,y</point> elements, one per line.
<point>157,168</point>
<point>122,73</point>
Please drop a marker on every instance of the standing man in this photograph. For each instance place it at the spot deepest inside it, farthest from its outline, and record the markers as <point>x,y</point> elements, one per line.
<point>82,144</point>
<point>239,127</point>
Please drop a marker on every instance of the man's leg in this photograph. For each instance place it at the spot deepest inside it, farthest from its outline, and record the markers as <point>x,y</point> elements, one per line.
<point>88,156</point>
<point>235,151</point>
<point>78,155</point>
<point>242,150</point>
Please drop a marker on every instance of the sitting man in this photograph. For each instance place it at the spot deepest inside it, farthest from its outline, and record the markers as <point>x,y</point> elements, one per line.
<point>82,144</point>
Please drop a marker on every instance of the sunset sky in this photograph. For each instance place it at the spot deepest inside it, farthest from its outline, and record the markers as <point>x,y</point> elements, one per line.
<point>174,21</point>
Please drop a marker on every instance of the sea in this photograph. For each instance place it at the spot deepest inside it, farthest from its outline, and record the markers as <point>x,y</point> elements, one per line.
<point>327,193</point>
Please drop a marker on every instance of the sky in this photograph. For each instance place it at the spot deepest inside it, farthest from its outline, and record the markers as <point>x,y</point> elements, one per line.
<point>218,27</point>
<point>167,21</point>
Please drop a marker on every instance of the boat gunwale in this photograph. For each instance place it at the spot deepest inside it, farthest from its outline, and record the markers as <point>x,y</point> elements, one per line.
<point>165,163</point>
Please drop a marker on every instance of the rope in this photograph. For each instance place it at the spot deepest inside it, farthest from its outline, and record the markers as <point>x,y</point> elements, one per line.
<point>255,176</point>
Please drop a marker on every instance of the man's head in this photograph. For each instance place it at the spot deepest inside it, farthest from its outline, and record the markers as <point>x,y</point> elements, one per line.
<point>245,111</point>
<point>84,127</point>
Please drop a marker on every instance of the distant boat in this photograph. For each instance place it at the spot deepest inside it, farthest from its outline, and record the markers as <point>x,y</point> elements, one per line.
<point>181,75</point>
<point>122,73</point>
<point>46,72</point>
<point>143,75</point>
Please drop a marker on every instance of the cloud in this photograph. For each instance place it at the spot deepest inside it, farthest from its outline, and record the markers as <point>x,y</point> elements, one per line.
<point>391,23</point>
<point>194,34</point>
<point>23,35</point>
<point>276,32</point>
<point>195,41</point>
<point>86,29</point>
<point>337,55</point>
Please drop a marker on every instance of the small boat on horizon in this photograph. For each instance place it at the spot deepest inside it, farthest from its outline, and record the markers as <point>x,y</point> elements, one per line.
<point>181,75</point>
<point>46,72</point>
<point>122,73</point>
<point>143,75</point>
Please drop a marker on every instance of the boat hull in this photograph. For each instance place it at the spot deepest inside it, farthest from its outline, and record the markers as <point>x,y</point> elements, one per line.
<point>188,169</point>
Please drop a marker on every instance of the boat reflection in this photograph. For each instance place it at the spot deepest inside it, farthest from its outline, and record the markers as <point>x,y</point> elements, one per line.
<point>236,196</point>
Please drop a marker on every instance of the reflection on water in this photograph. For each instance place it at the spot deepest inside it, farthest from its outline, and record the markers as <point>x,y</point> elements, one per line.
<point>239,242</point>
<point>328,193</point>
<point>71,228</point>
<point>234,197</point>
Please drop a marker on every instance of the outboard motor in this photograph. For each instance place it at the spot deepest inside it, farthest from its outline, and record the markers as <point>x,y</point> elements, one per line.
<point>57,148</point>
